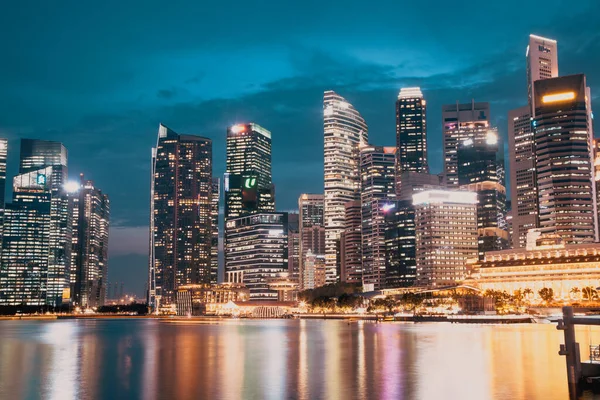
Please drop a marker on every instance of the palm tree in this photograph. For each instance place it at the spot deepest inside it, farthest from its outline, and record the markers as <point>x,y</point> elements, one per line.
<point>575,291</point>
<point>588,293</point>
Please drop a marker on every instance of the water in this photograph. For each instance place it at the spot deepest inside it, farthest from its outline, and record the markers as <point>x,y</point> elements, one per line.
<point>281,359</point>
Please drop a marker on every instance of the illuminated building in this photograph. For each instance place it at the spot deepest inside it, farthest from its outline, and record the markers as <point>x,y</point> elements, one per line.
<point>409,183</point>
<point>542,63</point>
<point>312,230</point>
<point>597,172</point>
<point>47,161</point>
<point>180,222</point>
<point>293,247</point>
<point>285,286</point>
<point>3,158</point>
<point>351,244</point>
<point>400,244</point>
<point>446,235</point>
<point>214,221</point>
<point>459,123</point>
<point>344,130</point>
<point>377,185</point>
<point>563,148</point>
<point>556,266</point>
<point>481,170</point>
<point>89,255</point>
<point>201,299</point>
<point>26,241</point>
<point>411,131</point>
<point>257,250</point>
<point>314,270</point>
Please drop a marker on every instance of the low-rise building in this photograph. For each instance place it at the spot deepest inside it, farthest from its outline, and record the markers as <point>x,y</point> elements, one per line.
<point>200,299</point>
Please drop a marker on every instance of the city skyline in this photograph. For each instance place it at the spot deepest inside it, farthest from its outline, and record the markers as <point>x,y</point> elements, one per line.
<point>291,113</point>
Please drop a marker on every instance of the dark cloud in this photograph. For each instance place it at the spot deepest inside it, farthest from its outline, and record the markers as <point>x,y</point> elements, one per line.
<point>101,78</point>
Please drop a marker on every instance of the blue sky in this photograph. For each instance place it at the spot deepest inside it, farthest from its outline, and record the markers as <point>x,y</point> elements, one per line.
<point>100,76</point>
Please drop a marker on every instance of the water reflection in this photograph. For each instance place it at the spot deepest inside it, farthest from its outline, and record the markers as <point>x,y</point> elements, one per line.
<point>148,359</point>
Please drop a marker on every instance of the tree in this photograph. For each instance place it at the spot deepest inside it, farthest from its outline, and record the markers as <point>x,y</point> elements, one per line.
<point>589,293</point>
<point>348,302</point>
<point>547,294</point>
<point>575,291</point>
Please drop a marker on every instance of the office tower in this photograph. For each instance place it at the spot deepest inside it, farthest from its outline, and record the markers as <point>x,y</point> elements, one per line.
<point>411,131</point>
<point>294,246</point>
<point>3,158</point>
<point>596,160</point>
<point>542,63</point>
<point>446,235</point>
<point>351,256</point>
<point>314,270</point>
<point>38,155</point>
<point>89,255</point>
<point>214,224</point>
<point>344,130</point>
<point>180,220</point>
<point>459,123</point>
<point>481,170</point>
<point>400,244</point>
<point>312,231</point>
<point>377,186</point>
<point>26,242</point>
<point>409,183</point>
<point>257,251</point>
<point>563,147</point>
<point>248,186</point>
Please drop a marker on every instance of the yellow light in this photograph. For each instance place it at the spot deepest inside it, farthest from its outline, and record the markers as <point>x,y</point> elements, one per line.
<point>556,97</point>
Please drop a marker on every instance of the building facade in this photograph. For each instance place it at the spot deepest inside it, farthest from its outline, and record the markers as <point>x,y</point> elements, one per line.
<point>351,270</point>
<point>344,130</point>
<point>411,131</point>
<point>180,220</point>
<point>564,168</point>
<point>214,221</point>
<point>312,229</point>
<point>293,271</point>
<point>257,251</point>
<point>400,244</point>
<point>89,255</point>
<point>446,235</point>
<point>542,63</point>
<point>459,123</point>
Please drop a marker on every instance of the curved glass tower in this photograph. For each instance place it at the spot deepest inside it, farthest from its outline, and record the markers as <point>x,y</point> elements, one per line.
<point>344,130</point>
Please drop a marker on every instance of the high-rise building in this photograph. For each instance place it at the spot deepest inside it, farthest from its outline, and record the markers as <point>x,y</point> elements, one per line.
<point>459,123</point>
<point>446,235</point>
<point>294,247</point>
<point>180,221</point>
<point>481,170</point>
<point>214,221</point>
<point>257,251</point>
<point>351,245</point>
<point>523,187</point>
<point>344,130</point>
<point>89,255</point>
<point>564,170</point>
<point>377,186</point>
<point>3,158</point>
<point>409,183</point>
<point>26,241</point>
<point>542,63</point>
<point>411,131</point>
<point>38,155</point>
<point>400,244</point>
<point>314,271</point>
<point>312,231</point>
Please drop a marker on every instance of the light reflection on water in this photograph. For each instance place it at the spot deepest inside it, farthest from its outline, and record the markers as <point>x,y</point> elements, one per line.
<point>281,359</point>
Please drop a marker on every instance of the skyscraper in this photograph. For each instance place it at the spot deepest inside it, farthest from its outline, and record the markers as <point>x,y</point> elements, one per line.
<point>564,170</point>
<point>249,152</point>
<point>38,155</point>
<point>446,232</point>
<point>180,224</point>
<point>294,246</point>
<point>377,187</point>
<point>542,63</point>
<point>481,170</point>
<point>257,251</point>
<point>400,244</point>
<point>351,270</point>
<point>89,256</point>
<point>214,221</point>
<point>344,130</point>
<point>312,231</point>
<point>26,241</point>
<point>411,131</point>
<point>3,158</point>
<point>461,122</point>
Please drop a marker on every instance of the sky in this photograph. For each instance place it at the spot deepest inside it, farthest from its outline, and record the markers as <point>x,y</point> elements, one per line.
<point>101,76</point>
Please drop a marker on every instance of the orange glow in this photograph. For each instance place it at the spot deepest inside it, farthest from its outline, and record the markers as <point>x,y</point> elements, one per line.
<point>556,97</point>
<point>238,128</point>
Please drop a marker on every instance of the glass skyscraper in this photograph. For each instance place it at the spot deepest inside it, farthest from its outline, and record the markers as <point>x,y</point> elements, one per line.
<point>180,224</point>
<point>411,131</point>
